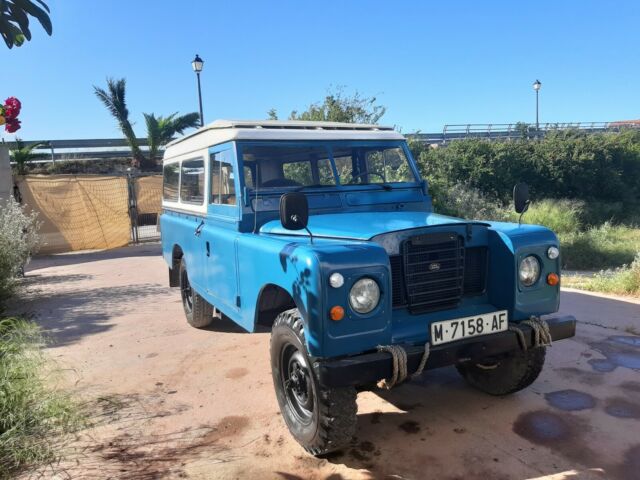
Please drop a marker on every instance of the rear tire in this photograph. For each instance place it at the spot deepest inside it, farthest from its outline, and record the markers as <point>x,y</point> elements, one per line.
<point>321,419</point>
<point>198,311</point>
<point>507,375</point>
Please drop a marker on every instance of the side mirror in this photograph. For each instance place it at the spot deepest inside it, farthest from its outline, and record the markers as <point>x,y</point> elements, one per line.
<point>294,211</point>
<point>521,197</point>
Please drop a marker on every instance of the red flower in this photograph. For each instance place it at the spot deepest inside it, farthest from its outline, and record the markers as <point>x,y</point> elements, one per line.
<point>12,108</point>
<point>12,125</point>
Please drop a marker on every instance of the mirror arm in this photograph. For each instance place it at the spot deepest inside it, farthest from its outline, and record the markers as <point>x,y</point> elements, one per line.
<point>310,234</point>
<point>524,210</point>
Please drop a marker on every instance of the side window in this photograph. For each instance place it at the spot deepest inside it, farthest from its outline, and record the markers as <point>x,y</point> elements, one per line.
<point>223,190</point>
<point>192,182</point>
<point>171,181</point>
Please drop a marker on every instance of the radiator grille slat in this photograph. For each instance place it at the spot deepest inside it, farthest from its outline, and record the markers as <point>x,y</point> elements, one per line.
<point>421,287</point>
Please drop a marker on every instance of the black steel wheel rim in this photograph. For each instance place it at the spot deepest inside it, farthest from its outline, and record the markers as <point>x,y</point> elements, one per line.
<point>187,292</point>
<point>297,382</point>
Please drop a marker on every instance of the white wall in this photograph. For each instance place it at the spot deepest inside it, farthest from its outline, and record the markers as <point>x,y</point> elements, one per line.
<point>6,184</point>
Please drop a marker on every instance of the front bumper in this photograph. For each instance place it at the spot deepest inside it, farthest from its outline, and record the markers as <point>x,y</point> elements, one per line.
<point>368,368</point>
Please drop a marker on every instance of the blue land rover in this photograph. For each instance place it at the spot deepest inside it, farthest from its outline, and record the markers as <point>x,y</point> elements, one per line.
<point>324,233</point>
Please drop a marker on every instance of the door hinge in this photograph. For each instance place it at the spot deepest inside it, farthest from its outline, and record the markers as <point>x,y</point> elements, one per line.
<point>238,301</point>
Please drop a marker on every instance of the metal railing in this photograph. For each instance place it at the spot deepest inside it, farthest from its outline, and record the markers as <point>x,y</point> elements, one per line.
<point>506,131</point>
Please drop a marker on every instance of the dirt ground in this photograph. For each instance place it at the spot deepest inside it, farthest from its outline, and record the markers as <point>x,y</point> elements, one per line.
<point>175,402</point>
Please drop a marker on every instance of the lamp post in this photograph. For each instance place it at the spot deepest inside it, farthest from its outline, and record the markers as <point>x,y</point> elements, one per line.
<point>197,64</point>
<point>536,87</point>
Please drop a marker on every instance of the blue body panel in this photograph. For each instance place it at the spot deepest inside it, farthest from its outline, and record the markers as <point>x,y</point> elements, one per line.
<point>236,255</point>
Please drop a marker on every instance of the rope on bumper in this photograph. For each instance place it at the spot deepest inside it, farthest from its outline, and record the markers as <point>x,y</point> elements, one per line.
<point>541,332</point>
<point>399,357</point>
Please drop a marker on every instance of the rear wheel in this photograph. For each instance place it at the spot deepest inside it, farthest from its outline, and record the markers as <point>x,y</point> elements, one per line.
<point>198,311</point>
<point>321,419</point>
<point>506,375</point>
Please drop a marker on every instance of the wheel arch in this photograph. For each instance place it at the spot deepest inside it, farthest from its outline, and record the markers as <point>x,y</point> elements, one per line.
<point>273,299</point>
<point>174,270</point>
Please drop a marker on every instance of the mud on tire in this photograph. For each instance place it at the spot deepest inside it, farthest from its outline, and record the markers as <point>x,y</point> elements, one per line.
<point>506,375</point>
<point>321,419</point>
<point>198,311</point>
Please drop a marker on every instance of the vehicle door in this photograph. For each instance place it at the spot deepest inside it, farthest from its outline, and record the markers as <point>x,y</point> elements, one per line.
<point>221,229</point>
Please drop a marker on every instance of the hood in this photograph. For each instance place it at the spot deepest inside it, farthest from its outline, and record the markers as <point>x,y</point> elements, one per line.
<point>363,225</point>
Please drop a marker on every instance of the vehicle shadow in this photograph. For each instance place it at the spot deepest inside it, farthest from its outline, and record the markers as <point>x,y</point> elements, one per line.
<point>68,316</point>
<point>74,258</point>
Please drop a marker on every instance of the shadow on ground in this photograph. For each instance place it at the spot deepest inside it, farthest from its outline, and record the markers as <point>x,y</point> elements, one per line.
<point>69,316</point>
<point>74,258</point>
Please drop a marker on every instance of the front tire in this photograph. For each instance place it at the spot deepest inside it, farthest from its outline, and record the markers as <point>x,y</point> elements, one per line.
<point>198,311</point>
<point>507,375</point>
<point>321,419</point>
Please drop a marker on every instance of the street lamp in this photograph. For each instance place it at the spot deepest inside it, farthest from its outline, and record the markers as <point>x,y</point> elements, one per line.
<point>536,87</point>
<point>197,64</point>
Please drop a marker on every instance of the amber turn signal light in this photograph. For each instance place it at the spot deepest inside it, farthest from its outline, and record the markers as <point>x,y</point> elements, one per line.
<point>553,279</point>
<point>336,313</point>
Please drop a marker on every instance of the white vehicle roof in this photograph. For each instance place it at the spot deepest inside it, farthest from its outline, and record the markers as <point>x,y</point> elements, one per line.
<point>222,131</point>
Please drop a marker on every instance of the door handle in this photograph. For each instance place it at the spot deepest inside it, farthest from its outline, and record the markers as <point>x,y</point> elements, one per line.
<point>199,228</point>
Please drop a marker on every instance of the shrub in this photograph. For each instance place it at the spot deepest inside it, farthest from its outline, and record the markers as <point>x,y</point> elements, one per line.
<point>31,413</point>
<point>18,241</point>
<point>605,246</point>
<point>561,216</point>
<point>623,281</point>
<point>463,201</point>
<point>590,167</point>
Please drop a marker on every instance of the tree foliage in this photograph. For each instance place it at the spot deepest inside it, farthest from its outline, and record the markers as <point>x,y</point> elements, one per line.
<point>23,154</point>
<point>15,18</point>
<point>339,107</point>
<point>160,130</point>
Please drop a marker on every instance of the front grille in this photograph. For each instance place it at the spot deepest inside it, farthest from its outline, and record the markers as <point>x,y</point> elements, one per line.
<point>475,270</point>
<point>434,271</point>
<point>461,272</point>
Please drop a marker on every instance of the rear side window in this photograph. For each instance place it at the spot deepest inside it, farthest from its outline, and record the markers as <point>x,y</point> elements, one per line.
<point>170,181</point>
<point>192,182</point>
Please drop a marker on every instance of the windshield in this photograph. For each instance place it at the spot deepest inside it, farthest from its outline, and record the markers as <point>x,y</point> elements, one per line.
<point>279,165</point>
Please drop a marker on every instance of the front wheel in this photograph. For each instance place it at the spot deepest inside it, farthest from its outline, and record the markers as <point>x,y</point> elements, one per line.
<point>321,419</point>
<point>506,375</point>
<point>198,311</point>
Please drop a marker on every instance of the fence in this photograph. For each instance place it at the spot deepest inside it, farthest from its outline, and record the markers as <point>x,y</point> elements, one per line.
<point>82,212</point>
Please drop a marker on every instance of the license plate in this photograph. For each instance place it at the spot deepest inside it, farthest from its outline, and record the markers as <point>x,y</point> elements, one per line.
<point>459,328</point>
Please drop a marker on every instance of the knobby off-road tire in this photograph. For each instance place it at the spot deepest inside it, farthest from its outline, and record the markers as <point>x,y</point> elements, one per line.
<point>508,375</point>
<point>321,419</point>
<point>198,311</point>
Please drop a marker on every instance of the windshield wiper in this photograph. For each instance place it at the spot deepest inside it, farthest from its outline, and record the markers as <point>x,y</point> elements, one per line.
<point>315,185</point>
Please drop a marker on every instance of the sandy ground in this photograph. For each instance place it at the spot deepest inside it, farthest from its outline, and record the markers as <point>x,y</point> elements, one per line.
<point>172,401</point>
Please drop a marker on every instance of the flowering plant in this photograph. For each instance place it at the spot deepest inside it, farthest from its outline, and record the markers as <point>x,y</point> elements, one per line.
<point>9,114</point>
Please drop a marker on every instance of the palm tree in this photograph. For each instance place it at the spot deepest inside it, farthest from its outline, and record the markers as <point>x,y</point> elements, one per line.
<point>114,99</point>
<point>160,130</point>
<point>14,20</point>
<point>23,154</point>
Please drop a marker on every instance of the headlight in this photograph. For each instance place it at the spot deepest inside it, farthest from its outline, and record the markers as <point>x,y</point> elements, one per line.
<point>529,271</point>
<point>364,295</point>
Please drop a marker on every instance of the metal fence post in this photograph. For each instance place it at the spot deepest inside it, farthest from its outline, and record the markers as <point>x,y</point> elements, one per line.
<point>133,207</point>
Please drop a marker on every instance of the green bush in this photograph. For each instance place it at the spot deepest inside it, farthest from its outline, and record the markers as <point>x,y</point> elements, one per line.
<point>460,200</point>
<point>605,246</point>
<point>18,241</point>
<point>32,413</point>
<point>561,216</point>
<point>595,168</point>
<point>622,281</point>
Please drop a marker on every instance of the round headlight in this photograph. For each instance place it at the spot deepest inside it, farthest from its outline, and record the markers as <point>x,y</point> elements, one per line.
<point>364,295</point>
<point>553,253</point>
<point>529,271</point>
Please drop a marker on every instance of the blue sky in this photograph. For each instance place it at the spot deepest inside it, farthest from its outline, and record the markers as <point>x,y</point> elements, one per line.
<point>430,63</point>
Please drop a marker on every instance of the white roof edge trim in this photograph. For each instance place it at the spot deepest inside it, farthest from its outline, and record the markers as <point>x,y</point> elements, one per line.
<point>284,125</point>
